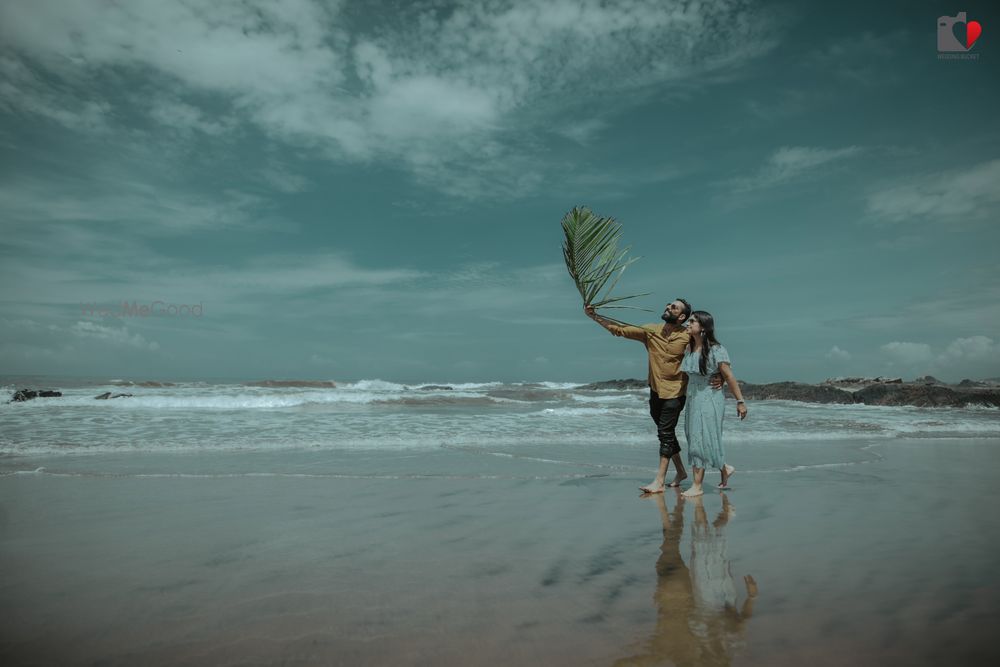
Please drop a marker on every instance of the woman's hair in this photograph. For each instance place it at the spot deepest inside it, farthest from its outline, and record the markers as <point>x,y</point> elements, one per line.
<point>708,339</point>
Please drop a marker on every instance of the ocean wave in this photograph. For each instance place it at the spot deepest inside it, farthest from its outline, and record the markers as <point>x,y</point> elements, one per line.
<point>314,384</point>
<point>589,412</point>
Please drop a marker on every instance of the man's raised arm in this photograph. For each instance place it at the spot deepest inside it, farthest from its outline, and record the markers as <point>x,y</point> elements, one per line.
<point>625,331</point>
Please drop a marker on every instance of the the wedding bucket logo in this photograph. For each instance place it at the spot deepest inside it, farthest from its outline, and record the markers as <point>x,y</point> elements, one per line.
<point>949,44</point>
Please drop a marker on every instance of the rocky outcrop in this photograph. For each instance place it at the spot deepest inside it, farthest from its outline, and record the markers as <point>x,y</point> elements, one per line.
<point>977,383</point>
<point>854,383</point>
<point>622,385</point>
<point>926,396</point>
<point>106,395</point>
<point>436,387</point>
<point>28,394</point>
<point>794,391</point>
<point>925,392</point>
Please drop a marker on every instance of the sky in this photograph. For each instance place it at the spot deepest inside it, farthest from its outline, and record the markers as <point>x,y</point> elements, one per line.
<point>345,190</point>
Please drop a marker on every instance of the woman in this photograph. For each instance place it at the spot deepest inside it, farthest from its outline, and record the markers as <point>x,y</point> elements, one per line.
<point>705,406</point>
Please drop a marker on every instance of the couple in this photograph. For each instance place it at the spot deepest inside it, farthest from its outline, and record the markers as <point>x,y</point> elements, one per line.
<point>685,361</point>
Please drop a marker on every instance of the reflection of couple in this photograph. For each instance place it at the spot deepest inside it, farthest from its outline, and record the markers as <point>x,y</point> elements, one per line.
<point>698,619</point>
<point>686,365</point>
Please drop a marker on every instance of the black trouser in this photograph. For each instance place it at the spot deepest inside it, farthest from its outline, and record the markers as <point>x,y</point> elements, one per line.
<point>666,412</point>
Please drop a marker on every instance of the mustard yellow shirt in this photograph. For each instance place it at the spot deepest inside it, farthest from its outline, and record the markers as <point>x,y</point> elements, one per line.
<point>665,356</point>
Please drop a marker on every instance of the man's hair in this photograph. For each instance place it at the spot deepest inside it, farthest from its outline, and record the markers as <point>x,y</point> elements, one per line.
<point>687,307</point>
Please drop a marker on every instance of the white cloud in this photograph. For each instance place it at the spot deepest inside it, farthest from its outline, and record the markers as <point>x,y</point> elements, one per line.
<point>908,354</point>
<point>790,163</point>
<point>974,356</point>
<point>144,208</point>
<point>437,90</point>
<point>838,354</point>
<point>972,349</point>
<point>114,335</point>
<point>948,196</point>
<point>861,58</point>
<point>187,118</point>
<point>582,131</point>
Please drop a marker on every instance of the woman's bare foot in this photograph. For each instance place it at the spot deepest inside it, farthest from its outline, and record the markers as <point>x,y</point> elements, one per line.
<point>695,490</point>
<point>655,487</point>
<point>727,472</point>
<point>677,480</point>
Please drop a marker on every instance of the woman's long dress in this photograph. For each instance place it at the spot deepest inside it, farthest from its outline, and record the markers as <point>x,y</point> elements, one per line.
<point>704,409</point>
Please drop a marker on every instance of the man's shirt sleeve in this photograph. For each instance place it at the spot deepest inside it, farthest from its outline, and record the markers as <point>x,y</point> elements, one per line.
<point>628,331</point>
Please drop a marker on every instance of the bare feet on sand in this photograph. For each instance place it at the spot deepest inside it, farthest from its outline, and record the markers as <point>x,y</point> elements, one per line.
<point>727,472</point>
<point>677,481</point>
<point>695,490</point>
<point>655,487</point>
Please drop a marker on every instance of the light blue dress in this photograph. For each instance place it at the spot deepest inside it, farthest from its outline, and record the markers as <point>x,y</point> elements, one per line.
<point>704,409</point>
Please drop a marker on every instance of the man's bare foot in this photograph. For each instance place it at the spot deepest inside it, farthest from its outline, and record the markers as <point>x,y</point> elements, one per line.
<point>677,481</point>
<point>655,487</point>
<point>695,490</point>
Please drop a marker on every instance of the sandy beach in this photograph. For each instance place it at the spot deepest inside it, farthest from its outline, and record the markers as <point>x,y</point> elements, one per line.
<point>864,552</point>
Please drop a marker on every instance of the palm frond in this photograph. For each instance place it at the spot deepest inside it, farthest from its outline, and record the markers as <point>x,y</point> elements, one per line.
<point>593,258</point>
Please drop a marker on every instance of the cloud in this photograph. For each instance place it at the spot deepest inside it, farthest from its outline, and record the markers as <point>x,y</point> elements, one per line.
<point>113,335</point>
<point>187,118</point>
<point>861,58</point>
<point>458,95</point>
<point>908,354</point>
<point>972,349</point>
<point>975,356</point>
<point>837,354</point>
<point>791,163</point>
<point>22,89</point>
<point>955,195</point>
<point>128,200</point>
<point>109,278</point>
<point>582,131</point>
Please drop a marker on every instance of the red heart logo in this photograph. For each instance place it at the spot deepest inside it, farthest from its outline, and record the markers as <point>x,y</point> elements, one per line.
<point>972,32</point>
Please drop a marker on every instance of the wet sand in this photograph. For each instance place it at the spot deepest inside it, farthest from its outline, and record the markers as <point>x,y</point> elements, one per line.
<point>868,554</point>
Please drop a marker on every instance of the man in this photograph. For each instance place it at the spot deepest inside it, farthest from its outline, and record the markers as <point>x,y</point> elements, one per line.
<point>667,383</point>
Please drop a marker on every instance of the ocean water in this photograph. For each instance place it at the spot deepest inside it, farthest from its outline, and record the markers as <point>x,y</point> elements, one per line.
<point>372,416</point>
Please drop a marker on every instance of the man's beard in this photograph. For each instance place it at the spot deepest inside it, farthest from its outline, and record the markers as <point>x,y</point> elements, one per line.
<point>670,318</point>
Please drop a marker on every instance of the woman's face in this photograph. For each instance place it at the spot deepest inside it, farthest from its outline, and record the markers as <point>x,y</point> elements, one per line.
<point>694,328</point>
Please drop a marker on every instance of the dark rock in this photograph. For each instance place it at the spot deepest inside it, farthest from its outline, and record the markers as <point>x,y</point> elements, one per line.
<point>928,379</point>
<point>436,387</point>
<point>617,384</point>
<point>106,395</point>
<point>972,383</point>
<point>855,382</point>
<point>28,394</point>
<point>922,395</point>
<point>794,391</point>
